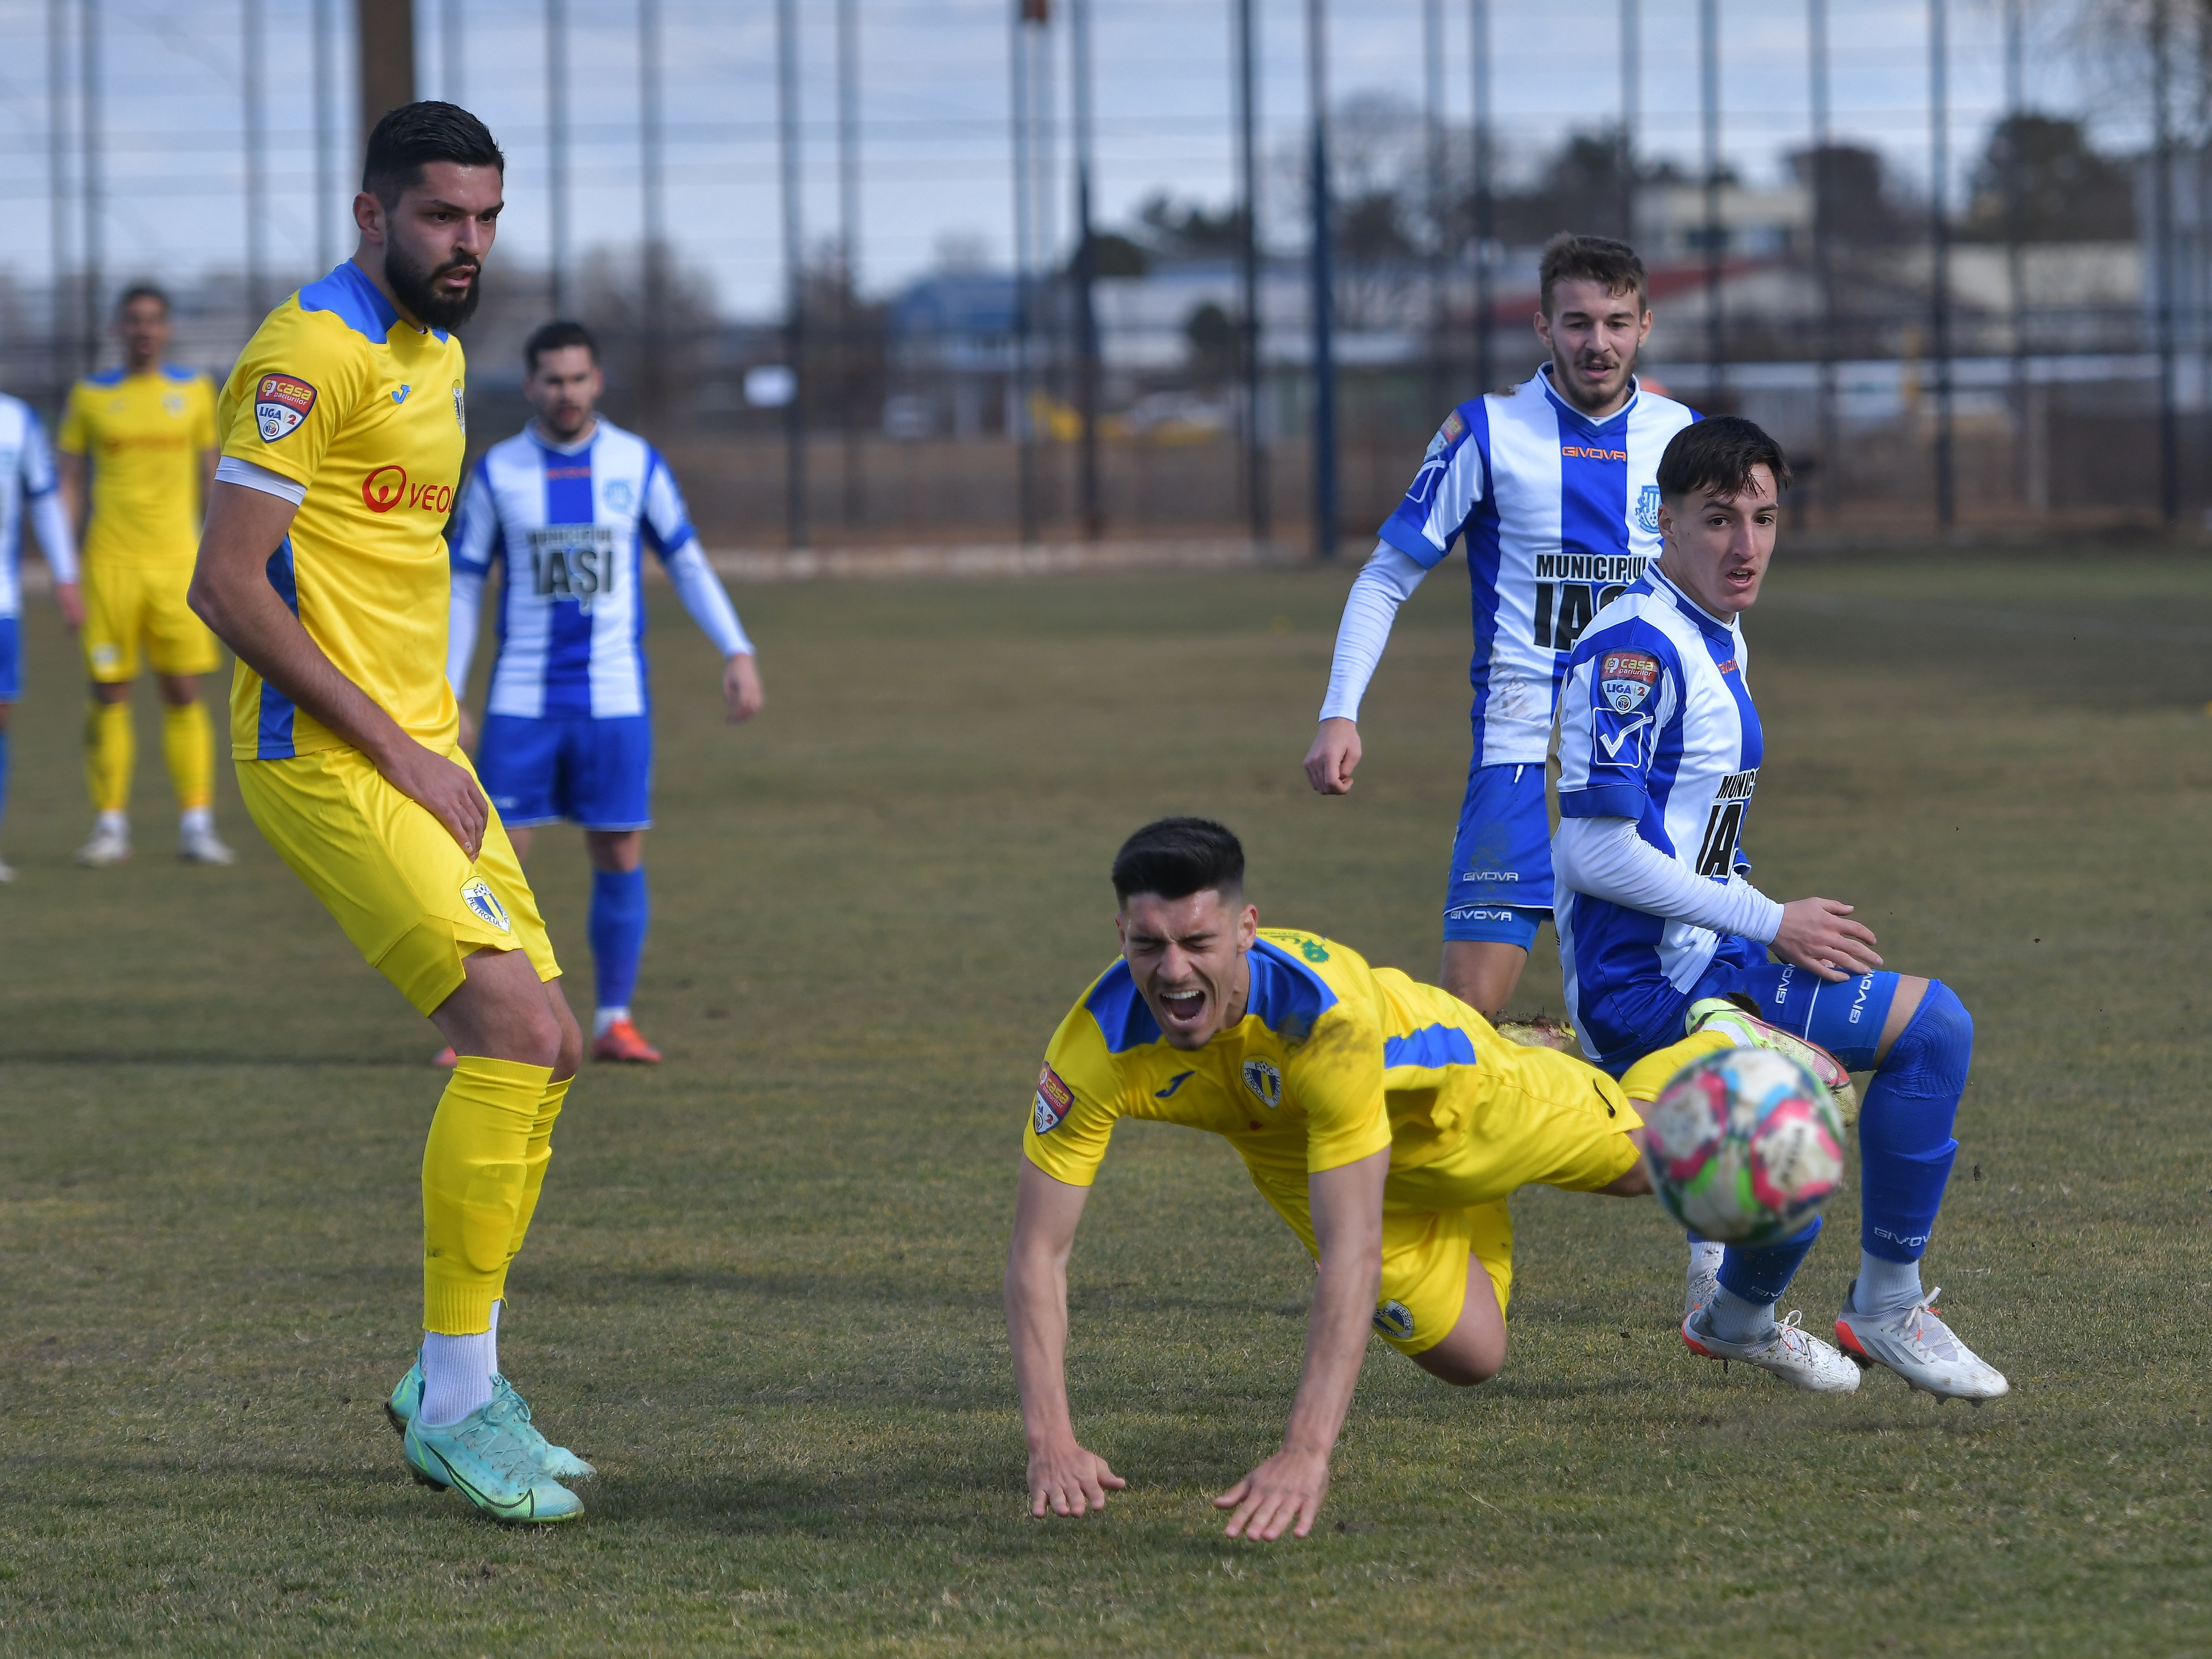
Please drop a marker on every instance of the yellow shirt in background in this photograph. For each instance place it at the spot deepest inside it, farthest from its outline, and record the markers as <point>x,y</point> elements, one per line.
<point>145,435</point>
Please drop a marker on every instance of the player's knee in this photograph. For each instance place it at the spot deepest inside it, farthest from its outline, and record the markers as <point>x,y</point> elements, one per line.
<point>1937,1043</point>
<point>1468,1366</point>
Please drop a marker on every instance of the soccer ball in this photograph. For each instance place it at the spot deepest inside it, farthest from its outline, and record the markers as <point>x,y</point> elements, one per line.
<point>1744,1146</point>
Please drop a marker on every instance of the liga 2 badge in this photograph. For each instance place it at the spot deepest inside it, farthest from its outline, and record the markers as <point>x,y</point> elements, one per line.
<point>1625,678</point>
<point>1054,1100</point>
<point>281,402</point>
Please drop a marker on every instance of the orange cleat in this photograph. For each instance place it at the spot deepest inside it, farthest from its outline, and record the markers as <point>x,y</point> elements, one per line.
<point>446,1058</point>
<point>621,1041</point>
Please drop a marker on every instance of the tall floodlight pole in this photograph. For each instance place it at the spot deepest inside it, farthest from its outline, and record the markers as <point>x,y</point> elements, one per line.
<point>1939,236</point>
<point>91,172</point>
<point>1087,363</point>
<point>1028,15</point>
<point>1709,114</point>
<point>1485,201</point>
<point>2169,447</point>
<point>384,58</point>
<point>1632,109</point>
<point>651,152</point>
<point>556,148</point>
<point>1432,135</point>
<point>1324,297</point>
<point>326,160</point>
<point>2015,206</point>
<point>848,247</point>
<point>795,272</point>
<point>1823,250</point>
<point>1248,188</point>
<point>257,193</point>
<point>452,55</point>
<point>59,318</point>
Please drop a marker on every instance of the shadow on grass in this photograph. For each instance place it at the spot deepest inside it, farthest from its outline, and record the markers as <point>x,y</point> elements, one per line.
<point>233,1059</point>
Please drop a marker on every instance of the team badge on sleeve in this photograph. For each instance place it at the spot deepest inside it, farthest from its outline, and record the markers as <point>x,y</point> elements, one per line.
<point>1446,435</point>
<point>281,402</point>
<point>1054,1100</point>
<point>1625,680</point>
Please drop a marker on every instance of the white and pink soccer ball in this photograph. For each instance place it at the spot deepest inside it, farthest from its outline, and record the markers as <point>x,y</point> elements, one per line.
<point>1744,1147</point>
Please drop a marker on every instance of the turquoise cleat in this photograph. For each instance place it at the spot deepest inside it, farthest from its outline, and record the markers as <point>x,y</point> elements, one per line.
<point>556,1461</point>
<point>495,1467</point>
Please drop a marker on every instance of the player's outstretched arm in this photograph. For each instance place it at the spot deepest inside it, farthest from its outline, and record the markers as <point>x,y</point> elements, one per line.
<point>1286,1491</point>
<point>1066,1478</point>
<point>231,594</point>
<point>1819,934</point>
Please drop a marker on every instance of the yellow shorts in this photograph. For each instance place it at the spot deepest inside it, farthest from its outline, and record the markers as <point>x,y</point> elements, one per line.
<point>124,603</point>
<point>400,886</point>
<point>1426,1254</point>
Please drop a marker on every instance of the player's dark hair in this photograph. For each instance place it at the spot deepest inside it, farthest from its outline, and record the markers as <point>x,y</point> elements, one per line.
<point>1717,455</point>
<point>407,139</point>
<point>142,291</point>
<point>1569,258</point>
<point>1177,857</point>
<point>556,335</point>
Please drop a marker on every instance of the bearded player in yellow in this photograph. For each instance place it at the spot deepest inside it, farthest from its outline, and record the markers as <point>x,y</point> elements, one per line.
<point>325,570</point>
<point>1384,1120</point>
<point>137,449</point>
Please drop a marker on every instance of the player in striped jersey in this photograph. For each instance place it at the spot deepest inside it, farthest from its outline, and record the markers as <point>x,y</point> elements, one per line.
<point>566,508</point>
<point>29,490</point>
<point>1551,483</point>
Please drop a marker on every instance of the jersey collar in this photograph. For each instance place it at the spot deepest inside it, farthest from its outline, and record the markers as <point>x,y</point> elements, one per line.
<point>1708,624</point>
<point>578,447</point>
<point>1593,429</point>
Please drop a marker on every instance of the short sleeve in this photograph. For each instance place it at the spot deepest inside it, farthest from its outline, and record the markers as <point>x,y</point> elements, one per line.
<point>1455,474</point>
<point>1622,692</point>
<point>1336,1076</point>
<point>1079,1099</point>
<point>667,519</point>
<point>75,437</point>
<point>288,396</point>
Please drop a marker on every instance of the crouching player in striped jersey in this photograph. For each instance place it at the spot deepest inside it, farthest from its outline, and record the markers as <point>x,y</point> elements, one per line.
<point>566,508</point>
<point>1385,1121</point>
<point>1660,748</point>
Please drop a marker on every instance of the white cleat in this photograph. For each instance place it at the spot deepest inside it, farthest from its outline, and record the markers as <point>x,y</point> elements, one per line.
<point>1749,1032</point>
<point>1791,1352</point>
<point>201,846</point>
<point>1914,1342</point>
<point>108,846</point>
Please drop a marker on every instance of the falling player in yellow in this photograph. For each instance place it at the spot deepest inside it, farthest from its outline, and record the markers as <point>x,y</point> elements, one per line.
<point>144,434</point>
<point>1384,1120</point>
<point>324,568</point>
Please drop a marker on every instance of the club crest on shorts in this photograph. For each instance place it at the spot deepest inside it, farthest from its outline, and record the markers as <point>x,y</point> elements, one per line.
<point>485,904</point>
<point>1625,679</point>
<point>1262,1078</point>
<point>1054,1100</point>
<point>1647,510</point>
<point>1394,1319</point>
<point>281,402</point>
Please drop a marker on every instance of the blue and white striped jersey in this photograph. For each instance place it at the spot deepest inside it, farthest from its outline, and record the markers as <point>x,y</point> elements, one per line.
<point>27,484</point>
<point>570,524</point>
<point>1655,725</point>
<point>1560,513</point>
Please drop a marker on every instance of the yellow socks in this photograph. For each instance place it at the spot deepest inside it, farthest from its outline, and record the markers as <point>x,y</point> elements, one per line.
<point>477,1187</point>
<point>1644,1081</point>
<point>537,1155</point>
<point>110,753</point>
<point>188,745</point>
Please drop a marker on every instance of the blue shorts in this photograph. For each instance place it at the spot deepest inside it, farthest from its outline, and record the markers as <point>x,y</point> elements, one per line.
<point>1501,867</point>
<point>1845,1018</point>
<point>11,659</point>
<point>595,773</point>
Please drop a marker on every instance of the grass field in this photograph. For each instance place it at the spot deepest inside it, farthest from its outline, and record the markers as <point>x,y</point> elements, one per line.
<point>763,1290</point>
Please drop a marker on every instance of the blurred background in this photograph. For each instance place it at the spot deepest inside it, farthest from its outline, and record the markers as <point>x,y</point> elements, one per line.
<point>881,273</point>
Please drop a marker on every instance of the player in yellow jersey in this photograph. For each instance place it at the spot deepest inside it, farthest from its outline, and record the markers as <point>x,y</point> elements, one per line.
<point>137,451</point>
<point>324,568</point>
<point>1384,1120</point>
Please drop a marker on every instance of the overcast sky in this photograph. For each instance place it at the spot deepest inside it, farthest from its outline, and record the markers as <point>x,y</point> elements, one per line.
<point>933,76</point>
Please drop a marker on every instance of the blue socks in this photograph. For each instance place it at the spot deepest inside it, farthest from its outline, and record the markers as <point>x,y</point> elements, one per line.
<point>1753,1278</point>
<point>619,913</point>
<point>1905,1147</point>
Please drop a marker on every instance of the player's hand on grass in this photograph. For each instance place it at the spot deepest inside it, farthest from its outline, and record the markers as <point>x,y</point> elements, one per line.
<point>1285,1491</point>
<point>741,688</point>
<point>1334,753</point>
<point>71,598</point>
<point>1819,934</point>
<point>446,791</point>
<point>1069,1480</point>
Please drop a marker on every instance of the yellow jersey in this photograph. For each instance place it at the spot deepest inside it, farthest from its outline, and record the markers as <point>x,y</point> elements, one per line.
<point>338,393</point>
<point>145,434</point>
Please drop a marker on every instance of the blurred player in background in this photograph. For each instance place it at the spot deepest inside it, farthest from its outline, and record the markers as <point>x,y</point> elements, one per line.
<point>344,430</point>
<point>1551,483</point>
<point>566,508</point>
<point>28,491</point>
<point>137,447</point>
<point>1660,748</point>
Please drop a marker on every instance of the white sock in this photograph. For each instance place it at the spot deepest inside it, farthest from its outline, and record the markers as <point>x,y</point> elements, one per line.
<point>1884,1286</point>
<point>1734,1319</point>
<point>605,1017</point>
<point>455,1376</point>
<point>1706,1257</point>
<point>494,1334</point>
<point>116,822</point>
<point>197,821</point>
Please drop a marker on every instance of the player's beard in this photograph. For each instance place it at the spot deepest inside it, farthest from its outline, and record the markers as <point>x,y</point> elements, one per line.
<point>414,286</point>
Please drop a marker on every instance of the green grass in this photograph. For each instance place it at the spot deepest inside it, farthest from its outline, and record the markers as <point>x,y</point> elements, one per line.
<point>762,1290</point>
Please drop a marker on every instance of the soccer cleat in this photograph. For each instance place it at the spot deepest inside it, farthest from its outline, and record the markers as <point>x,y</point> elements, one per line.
<point>1542,1032</point>
<point>487,1456</point>
<point>107,845</point>
<point>1719,1014</point>
<point>1792,1353</point>
<point>1914,1342</point>
<point>556,1461</point>
<point>620,1040</point>
<point>446,1058</point>
<point>201,846</point>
